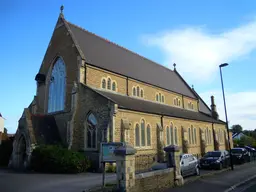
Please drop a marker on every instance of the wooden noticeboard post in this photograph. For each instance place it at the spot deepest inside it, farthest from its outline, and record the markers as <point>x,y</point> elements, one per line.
<point>107,155</point>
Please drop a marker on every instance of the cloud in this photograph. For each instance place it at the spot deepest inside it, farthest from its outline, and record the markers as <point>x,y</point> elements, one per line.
<point>240,107</point>
<point>198,52</point>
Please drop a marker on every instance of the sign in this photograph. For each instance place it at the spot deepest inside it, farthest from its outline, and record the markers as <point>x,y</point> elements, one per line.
<point>107,151</point>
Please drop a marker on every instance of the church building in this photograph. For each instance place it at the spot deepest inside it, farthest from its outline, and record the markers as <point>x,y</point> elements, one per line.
<point>91,90</point>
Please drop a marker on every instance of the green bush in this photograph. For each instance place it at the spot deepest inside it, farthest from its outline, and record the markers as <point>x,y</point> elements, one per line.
<point>5,152</point>
<point>111,168</point>
<point>56,159</point>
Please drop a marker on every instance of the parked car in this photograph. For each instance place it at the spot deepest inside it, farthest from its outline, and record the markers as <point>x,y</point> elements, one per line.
<point>240,155</point>
<point>189,165</point>
<point>215,160</point>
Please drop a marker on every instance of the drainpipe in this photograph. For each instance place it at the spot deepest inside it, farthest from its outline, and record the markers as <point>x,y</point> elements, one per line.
<point>127,87</point>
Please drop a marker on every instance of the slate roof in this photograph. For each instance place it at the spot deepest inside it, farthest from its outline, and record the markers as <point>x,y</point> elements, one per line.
<point>110,56</point>
<point>133,103</point>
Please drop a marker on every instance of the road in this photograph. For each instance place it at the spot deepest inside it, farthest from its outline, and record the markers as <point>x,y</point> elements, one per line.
<point>219,182</point>
<point>34,182</point>
<point>247,187</point>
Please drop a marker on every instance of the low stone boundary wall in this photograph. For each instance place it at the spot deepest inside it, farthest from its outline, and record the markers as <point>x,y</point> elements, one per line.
<point>154,181</point>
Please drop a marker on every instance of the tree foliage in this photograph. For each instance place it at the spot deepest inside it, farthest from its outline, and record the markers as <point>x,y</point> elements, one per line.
<point>245,141</point>
<point>237,128</point>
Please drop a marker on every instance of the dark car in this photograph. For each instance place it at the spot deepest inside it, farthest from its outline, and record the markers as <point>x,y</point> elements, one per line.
<point>240,155</point>
<point>215,160</point>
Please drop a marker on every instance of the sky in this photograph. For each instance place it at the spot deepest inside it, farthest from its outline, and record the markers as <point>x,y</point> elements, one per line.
<point>197,35</point>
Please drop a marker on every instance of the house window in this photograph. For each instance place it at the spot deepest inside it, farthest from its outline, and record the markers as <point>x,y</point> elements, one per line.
<point>157,97</point>
<point>142,129</point>
<point>114,86</point>
<point>137,135</point>
<point>103,83</point>
<point>134,91</point>
<point>91,131</point>
<point>57,87</point>
<point>179,103</point>
<point>109,83</point>
<point>148,136</point>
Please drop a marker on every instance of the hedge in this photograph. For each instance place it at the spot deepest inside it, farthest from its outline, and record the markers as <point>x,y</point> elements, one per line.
<point>5,152</point>
<point>56,159</point>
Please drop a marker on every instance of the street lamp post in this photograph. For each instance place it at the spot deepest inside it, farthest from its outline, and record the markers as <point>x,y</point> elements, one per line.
<point>231,159</point>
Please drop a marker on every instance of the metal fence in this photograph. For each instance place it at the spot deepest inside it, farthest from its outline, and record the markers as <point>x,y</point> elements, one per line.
<point>143,163</point>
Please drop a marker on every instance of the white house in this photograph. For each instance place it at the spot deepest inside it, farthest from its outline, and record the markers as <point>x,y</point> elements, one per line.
<point>1,123</point>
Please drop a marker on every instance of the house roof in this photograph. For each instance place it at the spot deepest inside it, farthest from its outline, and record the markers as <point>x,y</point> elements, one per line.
<point>141,105</point>
<point>104,54</point>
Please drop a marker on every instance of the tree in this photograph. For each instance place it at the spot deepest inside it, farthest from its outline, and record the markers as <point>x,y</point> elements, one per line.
<point>236,128</point>
<point>245,141</point>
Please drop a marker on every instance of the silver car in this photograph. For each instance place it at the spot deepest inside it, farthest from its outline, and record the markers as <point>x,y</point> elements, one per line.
<point>189,165</point>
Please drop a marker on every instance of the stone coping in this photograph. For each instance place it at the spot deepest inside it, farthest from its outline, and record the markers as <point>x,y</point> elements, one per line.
<point>153,173</point>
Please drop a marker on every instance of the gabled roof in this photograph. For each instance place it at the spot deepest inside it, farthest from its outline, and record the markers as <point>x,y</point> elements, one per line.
<point>104,54</point>
<point>141,105</point>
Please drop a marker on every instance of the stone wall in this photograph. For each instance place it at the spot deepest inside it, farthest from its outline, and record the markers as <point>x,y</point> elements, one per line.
<point>62,122</point>
<point>154,181</point>
<point>62,45</point>
<point>90,101</point>
<point>125,86</point>
<point>94,78</point>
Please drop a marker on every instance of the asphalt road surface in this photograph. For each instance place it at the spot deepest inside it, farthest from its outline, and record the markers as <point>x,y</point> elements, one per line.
<point>219,182</point>
<point>34,182</point>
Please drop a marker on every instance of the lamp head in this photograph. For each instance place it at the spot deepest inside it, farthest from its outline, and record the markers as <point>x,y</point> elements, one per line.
<point>223,65</point>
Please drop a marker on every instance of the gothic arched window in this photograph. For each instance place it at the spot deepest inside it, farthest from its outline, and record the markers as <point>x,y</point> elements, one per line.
<point>109,83</point>
<point>138,91</point>
<point>189,136</point>
<point>171,134</point>
<point>114,86</point>
<point>91,131</point>
<point>137,135</point>
<point>103,84</point>
<point>167,135</point>
<point>141,93</point>
<point>142,128</point>
<point>134,91</point>
<point>175,135</point>
<point>148,136</point>
<point>57,87</point>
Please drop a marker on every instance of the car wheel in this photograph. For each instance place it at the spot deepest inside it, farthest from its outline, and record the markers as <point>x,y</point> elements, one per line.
<point>197,171</point>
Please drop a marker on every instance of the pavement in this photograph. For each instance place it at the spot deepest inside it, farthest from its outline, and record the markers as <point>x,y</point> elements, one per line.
<point>220,182</point>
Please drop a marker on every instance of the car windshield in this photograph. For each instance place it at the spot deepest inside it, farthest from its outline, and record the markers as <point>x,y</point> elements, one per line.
<point>236,150</point>
<point>213,154</point>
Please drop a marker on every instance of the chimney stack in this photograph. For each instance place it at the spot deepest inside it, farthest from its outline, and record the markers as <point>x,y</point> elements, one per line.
<point>215,114</point>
